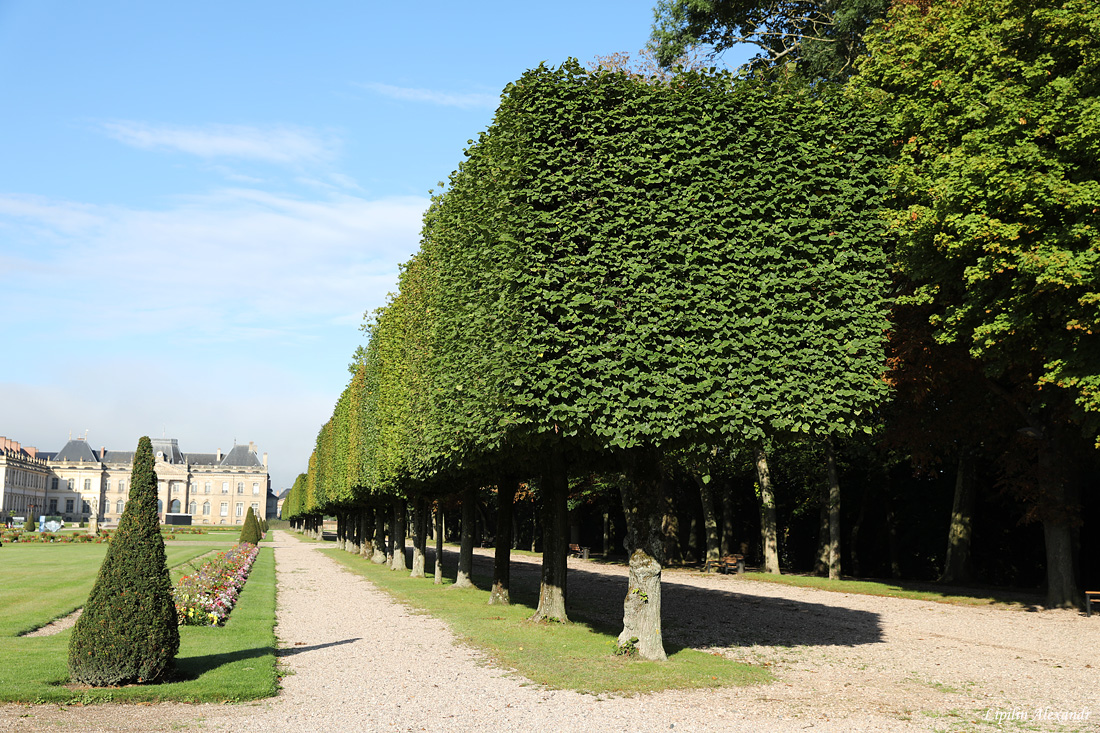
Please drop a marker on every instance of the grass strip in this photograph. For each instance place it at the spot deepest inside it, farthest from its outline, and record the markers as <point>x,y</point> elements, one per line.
<point>914,591</point>
<point>576,656</point>
<point>231,663</point>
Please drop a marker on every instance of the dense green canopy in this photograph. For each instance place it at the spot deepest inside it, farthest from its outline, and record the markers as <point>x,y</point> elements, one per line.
<point>995,106</point>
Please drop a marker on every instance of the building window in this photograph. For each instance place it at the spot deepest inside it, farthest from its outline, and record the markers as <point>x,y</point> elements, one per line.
<point>240,487</point>
<point>160,506</point>
<point>175,488</point>
<point>68,506</point>
<point>206,488</point>
<point>193,509</point>
<point>225,487</point>
<point>86,508</point>
<point>256,509</point>
<point>72,483</point>
<point>206,508</point>
<point>256,488</point>
<point>121,486</point>
<point>107,485</point>
<point>53,506</point>
<point>106,505</point>
<point>174,507</point>
<point>119,506</point>
<point>240,510</point>
<point>194,487</point>
<point>53,484</point>
<point>87,484</point>
<point>225,509</point>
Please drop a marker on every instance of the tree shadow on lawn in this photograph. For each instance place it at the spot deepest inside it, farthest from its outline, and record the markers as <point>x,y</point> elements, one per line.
<point>191,668</point>
<point>692,616</point>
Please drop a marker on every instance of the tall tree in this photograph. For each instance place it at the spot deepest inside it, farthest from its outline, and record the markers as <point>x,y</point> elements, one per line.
<point>129,629</point>
<point>819,38</point>
<point>993,104</point>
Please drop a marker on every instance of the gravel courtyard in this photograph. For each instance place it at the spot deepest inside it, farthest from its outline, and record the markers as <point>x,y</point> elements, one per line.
<point>842,663</point>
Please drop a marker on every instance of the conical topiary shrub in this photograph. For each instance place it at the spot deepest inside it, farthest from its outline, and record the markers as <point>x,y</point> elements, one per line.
<point>128,631</point>
<point>250,530</point>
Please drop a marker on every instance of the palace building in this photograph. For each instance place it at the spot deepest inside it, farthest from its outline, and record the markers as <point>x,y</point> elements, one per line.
<point>78,483</point>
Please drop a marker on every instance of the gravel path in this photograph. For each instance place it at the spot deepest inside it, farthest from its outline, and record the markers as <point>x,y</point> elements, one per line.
<point>842,662</point>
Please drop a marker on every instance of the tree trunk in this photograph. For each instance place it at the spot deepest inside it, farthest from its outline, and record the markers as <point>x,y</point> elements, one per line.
<point>506,497</point>
<point>466,549</point>
<point>555,547</point>
<point>535,528</point>
<point>379,555</point>
<point>419,528</point>
<point>834,510</point>
<point>366,546</point>
<point>821,561</point>
<point>1057,517</point>
<point>438,545</point>
<point>643,502</point>
<point>691,556</point>
<point>710,522</point>
<point>769,524</point>
<point>482,526</point>
<point>606,533</point>
<point>341,529</point>
<point>400,533</point>
<point>853,535</point>
<point>1062,591</point>
<point>957,566</point>
<point>892,533</point>
<point>670,526</point>
<point>727,522</point>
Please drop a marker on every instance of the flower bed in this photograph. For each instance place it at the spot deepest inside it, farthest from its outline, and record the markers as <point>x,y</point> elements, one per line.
<point>18,535</point>
<point>206,597</point>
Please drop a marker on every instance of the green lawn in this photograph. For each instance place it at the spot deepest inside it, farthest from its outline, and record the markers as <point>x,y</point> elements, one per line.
<point>234,662</point>
<point>42,582</point>
<point>576,656</point>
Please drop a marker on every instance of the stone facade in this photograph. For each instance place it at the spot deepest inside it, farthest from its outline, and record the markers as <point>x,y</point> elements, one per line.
<point>79,483</point>
<point>24,476</point>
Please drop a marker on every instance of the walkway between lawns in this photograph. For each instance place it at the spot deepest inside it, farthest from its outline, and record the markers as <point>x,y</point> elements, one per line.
<point>356,660</point>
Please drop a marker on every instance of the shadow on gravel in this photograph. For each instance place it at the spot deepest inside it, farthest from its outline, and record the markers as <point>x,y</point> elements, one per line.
<point>693,617</point>
<point>299,648</point>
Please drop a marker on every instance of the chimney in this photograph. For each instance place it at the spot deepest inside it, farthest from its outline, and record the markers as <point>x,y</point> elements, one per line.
<point>265,460</point>
<point>219,455</point>
<point>251,447</point>
<point>102,454</point>
<point>31,451</point>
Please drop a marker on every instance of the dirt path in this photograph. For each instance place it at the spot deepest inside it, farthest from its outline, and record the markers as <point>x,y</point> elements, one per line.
<point>843,663</point>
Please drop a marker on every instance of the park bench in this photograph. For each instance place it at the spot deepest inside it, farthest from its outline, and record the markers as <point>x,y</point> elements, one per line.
<point>1090,596</point>
<point>732,564</point>
<point>578,551</point>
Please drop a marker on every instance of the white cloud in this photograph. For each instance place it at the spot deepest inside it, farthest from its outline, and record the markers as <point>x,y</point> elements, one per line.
<point>260,266</point>
<point>272,144</point>
<point>228,315</point>
<point>472,100</point>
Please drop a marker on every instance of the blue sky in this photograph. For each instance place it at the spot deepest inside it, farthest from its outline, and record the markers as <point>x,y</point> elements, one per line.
<point>199,201</point>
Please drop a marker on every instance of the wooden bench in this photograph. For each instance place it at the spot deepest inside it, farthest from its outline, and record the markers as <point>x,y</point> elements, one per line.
<point>728,564</point>
<point>578,551</point>
<point>1090,596</point>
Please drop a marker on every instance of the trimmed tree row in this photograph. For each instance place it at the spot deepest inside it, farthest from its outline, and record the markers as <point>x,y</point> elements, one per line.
<point>619,268</point>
